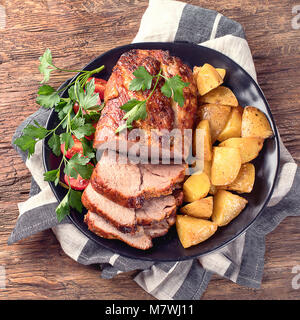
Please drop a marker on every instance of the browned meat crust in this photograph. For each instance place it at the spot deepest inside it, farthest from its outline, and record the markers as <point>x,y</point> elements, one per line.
<point>162,112</point>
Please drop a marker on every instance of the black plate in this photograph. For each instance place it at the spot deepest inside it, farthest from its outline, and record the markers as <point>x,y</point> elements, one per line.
<point>168,248</point>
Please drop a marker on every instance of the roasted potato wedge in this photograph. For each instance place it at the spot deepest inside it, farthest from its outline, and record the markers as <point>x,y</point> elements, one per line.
<point>205,166</point>
<point>196,187</point>
<point>233,126</point>
<point>220,95</point>
<point>217,115</point>
<point>249,147</point>
<point>226,164</point>
<point>202,128</point>
<point>202,208</point>
<point>192,231</point>
<point>227,206</point>
<point>221,72</point>
<point>244,181</point>
<point>255,124</point>
<point>207,78</point>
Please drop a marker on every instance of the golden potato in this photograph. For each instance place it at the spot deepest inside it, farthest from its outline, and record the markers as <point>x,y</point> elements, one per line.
<point>233,126</point>
<point>227,206</point>
<point>202,208</point>
<point>226,164</point>
<point>207,78</point>
<point>205,166</point>
<point>245,179</point>
<point>192,231</point>
<point>196,187</point>
<point>255,124</point>
<point>221,72</point>
<point>204,129</point>
<point>217,115</point>
<point>220,95</point>
<point>249,147</point>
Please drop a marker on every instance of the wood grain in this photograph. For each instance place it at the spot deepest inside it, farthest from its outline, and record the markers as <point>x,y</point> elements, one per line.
<point>77,31</point>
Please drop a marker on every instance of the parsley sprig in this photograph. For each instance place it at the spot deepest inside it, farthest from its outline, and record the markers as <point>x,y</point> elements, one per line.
<point>79,125</point>
<point>136,109</point>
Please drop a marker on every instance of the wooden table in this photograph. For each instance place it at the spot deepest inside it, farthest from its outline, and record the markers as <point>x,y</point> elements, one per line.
<point>77,31</point>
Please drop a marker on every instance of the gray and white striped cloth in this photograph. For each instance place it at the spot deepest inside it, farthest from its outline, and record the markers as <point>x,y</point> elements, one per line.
<point>242,261</point>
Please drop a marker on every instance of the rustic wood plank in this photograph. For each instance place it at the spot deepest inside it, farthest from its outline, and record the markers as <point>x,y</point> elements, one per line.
<point>77,31</point>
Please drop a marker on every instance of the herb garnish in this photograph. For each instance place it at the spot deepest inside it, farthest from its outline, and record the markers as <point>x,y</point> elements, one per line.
<point>78,125</point>
<point>136,109</point>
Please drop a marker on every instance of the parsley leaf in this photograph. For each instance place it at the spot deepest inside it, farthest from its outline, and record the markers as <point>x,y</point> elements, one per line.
<point>46,66</point>
<point>37,132</point>
<point>129,105</point>
<point>174,86</point>
<point>75,200</point>
<point>78,165</point>
<point>142,81</point>
<point>136,110</point>
<point>87,99</point>
<point>84,130</point>
<point>46,90</point>
<point>87,147</point>
<point>52,175</point>
<point>54,144</point>
<point>48,100</point>
<point>63,208</point>
<point>92,116</point>
<point>26,143</point>
<point>31,135</point>
<point>67,139</point>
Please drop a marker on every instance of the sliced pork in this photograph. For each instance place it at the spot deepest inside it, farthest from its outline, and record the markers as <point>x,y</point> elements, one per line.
<point>130,185</point>
<point>127,219</point>
<point>102,228</point>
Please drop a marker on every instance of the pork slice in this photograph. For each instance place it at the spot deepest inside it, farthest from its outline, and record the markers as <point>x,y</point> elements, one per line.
<point>131,184</point>
<point>161,179</point>
<point>156,209</point>
<point>124,219</point>
<point>102,228</point>
<point>161,228</point>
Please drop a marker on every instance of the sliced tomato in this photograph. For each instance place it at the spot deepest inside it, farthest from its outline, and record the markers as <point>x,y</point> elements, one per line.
<point>91,137</point>
<point>79,183</point>
<point>100,86</point>
<point>76,184</point>
<point>76,148</point>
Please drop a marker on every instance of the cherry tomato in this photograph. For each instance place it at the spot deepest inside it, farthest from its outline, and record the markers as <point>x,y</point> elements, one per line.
<point>100,85</point>
<point>79,183</point>
<point>91,137</point>
<point>77,148</point>
<point>76,108</point>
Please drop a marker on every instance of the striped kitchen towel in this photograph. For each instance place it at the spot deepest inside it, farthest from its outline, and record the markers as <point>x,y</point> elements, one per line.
<point>241,261</point>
